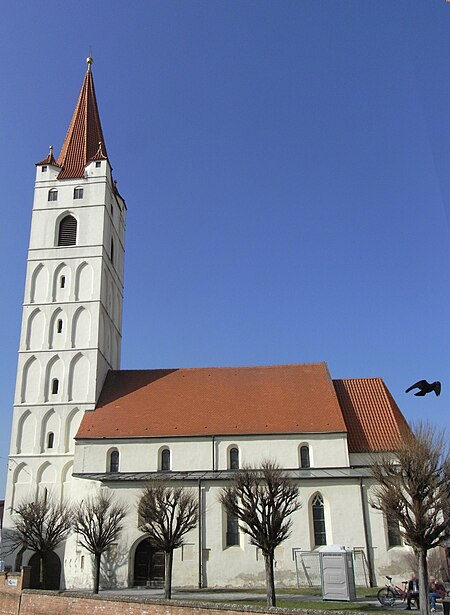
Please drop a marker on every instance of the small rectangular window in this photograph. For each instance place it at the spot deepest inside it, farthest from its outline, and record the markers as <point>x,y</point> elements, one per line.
<point>53,195</point>
<point>62,281</point>
<point>78,193</point>
<point>98,164</point>
<point>44,169</point>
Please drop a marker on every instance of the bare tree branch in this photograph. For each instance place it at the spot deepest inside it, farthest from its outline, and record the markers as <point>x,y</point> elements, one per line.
<point>263,499</point>
<point>414,491</point>
<point>98,522</point>
<point>40,525</point>
<point>168,514</point>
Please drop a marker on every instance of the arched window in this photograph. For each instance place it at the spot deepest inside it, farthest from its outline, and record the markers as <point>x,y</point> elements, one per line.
<point>393,533</point>
<point>165,460</point>
<point>67,235</point>
<point>114,461</point>
<point>233,461</point>
<point>55,386</point>
<point>304,457</point>
<point>318,515</point>
<point>53,194</point>
<point>232,538</point>
<point>50,439</point>
<point>78,193</point>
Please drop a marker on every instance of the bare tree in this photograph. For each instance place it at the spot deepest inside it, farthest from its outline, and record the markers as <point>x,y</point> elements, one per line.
<point>40,525</point>
<point>263,499</point>
<point>98,522</point>
<point>414,492</point>
<point>167,515</point>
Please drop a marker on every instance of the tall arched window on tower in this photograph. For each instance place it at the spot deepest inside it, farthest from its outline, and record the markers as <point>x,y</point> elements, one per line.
<point>67,234</point>
<point>114,461</point>
<point>304,456</point>
<point>318,517</point>
<point>233,460</point>
<point>165,460</point>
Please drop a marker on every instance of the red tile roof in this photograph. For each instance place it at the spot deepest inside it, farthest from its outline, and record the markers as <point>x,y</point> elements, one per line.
<point>207,401</point>
<point>374,421</point>
<point>49,159</point>
<point>246,400</point>
<point>84,135</point>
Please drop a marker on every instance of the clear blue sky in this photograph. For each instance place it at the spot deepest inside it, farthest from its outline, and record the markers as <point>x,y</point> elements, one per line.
<point>286,166</point>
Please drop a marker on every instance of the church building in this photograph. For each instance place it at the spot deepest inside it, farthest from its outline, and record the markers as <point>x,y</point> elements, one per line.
<point>81,424</point>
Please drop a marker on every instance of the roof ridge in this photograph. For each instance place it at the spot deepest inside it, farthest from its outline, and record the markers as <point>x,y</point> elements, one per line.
<point>216,367</point>
<point>378,378</point>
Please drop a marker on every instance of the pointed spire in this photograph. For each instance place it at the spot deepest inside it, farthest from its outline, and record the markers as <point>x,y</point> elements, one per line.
<point>85,132</point>
<point>49,159</point>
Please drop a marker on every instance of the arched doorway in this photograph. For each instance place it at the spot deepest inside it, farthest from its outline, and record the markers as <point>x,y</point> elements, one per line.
<point>52,571</point>
<point>148,570</point>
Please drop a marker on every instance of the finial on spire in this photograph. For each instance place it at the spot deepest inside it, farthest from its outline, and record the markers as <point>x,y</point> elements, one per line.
<point>90,61</point>
<point>50,153</point>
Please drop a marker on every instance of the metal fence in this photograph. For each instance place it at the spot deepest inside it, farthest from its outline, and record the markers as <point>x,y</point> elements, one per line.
<point>307,566</point>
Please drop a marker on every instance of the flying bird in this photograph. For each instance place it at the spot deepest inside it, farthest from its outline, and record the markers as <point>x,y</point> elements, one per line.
<point>425,387</point>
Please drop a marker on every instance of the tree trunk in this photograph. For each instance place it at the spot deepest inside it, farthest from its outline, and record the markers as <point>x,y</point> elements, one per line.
<point>168,564</point>
<point>97,560</point>
<point>270,580</point>
<point>423,582</point>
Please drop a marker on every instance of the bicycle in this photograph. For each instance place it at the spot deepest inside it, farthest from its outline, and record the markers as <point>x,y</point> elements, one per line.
<point>389,594</point>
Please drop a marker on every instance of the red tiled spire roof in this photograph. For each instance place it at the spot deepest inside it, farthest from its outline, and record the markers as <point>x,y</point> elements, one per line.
<point>205,401</point>
<point>374,421</point>
<point>84,139</point>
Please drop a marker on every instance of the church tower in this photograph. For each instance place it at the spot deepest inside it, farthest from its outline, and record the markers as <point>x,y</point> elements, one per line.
<point>72,311</point>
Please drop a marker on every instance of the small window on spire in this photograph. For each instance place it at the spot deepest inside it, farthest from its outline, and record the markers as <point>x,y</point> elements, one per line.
<point>98,164</point>
<point>78,193</point>
<point>44,168</point>
<point>53,194</point>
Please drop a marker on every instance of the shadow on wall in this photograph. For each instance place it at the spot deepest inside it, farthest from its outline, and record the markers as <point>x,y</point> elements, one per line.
<point>112,560</point>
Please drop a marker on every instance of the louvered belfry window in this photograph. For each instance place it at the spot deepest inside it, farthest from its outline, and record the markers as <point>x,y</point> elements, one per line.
<point>67,235</point>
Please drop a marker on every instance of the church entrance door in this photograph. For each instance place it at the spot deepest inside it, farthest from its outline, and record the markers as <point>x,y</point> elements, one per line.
<point>52,571</point>
<point>149,568</point>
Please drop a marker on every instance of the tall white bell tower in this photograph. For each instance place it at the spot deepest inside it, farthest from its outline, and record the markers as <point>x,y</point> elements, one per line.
<point>72,311</point>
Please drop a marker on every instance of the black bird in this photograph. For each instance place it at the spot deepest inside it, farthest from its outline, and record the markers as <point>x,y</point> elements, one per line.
<point>425,387</point>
